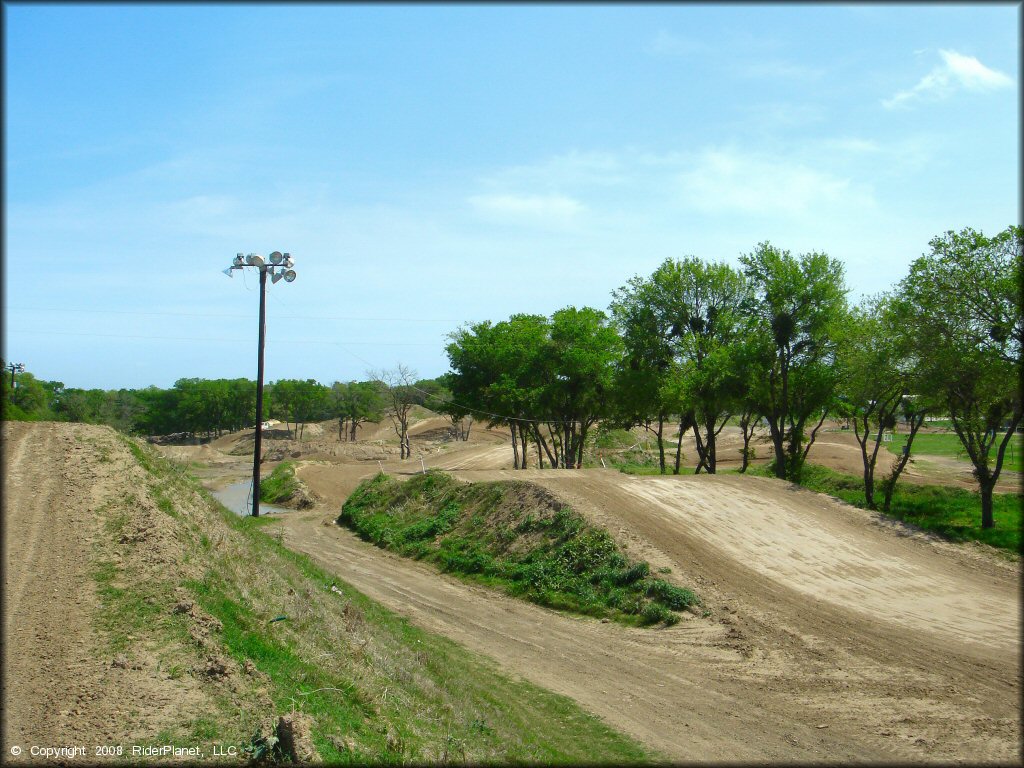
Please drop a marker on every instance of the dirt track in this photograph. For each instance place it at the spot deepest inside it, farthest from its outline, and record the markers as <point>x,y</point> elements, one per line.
<point>834,636</point>
<point>60,685</point>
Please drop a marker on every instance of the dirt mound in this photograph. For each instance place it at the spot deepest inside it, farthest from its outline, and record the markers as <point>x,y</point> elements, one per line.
<point>829,637</point>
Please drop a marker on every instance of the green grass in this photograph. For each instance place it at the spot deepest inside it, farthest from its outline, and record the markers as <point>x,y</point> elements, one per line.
<point>516,537</point>
<point>948,444</point>
<point>378,689</point>
<point>953,513</point>
<point>281,485</point>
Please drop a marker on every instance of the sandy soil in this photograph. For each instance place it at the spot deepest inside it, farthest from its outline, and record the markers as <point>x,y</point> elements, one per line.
<point>62,684</point>
<point>831,634</point>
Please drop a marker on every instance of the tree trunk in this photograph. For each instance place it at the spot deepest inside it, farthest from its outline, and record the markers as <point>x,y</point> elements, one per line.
<point>889,483</point>
<point>522,440</point>
<point>679,446</point>
<point>710,459</point>
<point>515,446</point>
<point>748,433</point>
<point>701,451</point>
<point>987,486</point>
<point>661,442</point>
<point>779,464</point>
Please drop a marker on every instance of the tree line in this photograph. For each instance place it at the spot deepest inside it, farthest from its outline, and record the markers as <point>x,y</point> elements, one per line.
<point>686,349</point>
<point>205,408</point>
<point>772,342</point>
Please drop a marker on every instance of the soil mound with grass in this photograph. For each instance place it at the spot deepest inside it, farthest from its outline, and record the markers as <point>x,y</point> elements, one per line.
<point>516,536</point>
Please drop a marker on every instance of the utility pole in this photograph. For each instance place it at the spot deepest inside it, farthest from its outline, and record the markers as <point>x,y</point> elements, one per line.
<point>282,263</point>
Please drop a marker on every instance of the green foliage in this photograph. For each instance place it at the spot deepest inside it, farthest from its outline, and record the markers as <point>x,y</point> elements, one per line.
<point>536,549</point>
<point>557,372</point>
<point>355,403</point>
<point>800,306</point>
<point>961,304</point>
<point>281,485</point>
<point>300,401</point>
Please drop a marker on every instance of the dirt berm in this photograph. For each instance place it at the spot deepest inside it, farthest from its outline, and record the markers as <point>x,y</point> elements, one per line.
<point>832,635</point>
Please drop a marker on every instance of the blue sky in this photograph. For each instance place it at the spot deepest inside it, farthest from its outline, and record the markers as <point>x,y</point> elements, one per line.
<point>433,165</point>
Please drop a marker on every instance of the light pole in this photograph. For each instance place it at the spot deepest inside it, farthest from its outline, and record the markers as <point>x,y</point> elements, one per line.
<point>15,368</point>
<point>280,267</point>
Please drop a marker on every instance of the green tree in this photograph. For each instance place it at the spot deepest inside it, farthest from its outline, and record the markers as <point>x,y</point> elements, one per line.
<point>875,382</point>
<point>799,305</point>
<point>28,400</point>
<point>640,394</point>
<point>354,404</point>
<point>583,352</point>
<point>498,371</point>
<point>300,401</point>
<point>962,307</point>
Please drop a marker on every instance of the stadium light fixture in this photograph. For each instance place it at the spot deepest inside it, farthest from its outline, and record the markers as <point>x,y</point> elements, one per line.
<point>15,368</point>
<point>280,266</point>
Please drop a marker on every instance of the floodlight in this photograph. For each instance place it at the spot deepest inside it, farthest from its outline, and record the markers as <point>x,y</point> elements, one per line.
<point>289,275</point>
<point>239,259</point>
<point>256,260</point>
<point>230,271</point>
<point>288,263</point>
<point>275,257</point>
<point>276,276</point>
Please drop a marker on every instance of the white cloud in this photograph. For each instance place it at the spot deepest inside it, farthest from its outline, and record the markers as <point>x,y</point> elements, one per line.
<point>957,72</point>
<point>535,209</point>
<point>727,181</point>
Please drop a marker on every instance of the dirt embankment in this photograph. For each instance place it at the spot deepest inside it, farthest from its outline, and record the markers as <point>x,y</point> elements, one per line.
<point>66,682</point>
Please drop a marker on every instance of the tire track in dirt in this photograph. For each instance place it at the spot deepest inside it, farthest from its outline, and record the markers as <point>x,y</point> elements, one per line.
<point>788,667</point>
<point>931,685</point>
<point>666,687</point>
<point>63,684</point>
<point>53,673</point>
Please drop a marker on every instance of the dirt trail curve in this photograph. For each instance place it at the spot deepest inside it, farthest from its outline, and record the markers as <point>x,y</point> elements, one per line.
<point>833,636</point>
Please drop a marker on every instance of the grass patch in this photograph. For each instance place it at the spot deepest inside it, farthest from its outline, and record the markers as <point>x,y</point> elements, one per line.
<point>949,445</point>
<point>953,513</point>
<point>516,537</point>
<point>281,485</point>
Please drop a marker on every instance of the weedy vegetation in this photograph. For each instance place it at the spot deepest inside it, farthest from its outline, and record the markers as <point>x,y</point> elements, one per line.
<point>514,536</point>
